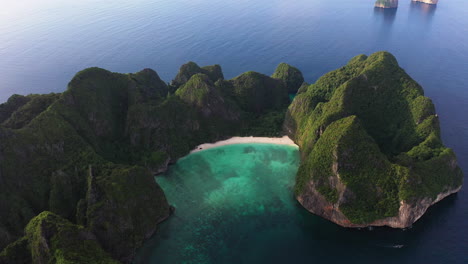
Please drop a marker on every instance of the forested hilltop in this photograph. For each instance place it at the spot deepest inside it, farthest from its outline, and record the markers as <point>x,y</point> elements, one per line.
<point>76,168</point>
<point>370,146</point>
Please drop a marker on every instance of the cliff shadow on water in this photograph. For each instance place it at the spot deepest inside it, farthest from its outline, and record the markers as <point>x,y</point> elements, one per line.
<point>387,14</point>
<point>292,235</point>
<point>423,10</point>
<point>235,210</point>
<point>372,245</point>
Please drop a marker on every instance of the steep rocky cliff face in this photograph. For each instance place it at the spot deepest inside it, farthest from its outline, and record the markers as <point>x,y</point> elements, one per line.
<point>431,2</point>
<point>88,155</point>
<point>50,238</point>
<point>386,3</point>
<point>117,208</point>
<point>44,162</point>
<point>370,146</point>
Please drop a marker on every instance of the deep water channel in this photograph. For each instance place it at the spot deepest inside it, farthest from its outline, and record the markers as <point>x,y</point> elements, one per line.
<point>235,204</point>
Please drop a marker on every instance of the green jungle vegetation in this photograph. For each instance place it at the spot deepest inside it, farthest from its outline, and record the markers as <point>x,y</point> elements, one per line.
<point>369,125</point>
<point>79,165</point>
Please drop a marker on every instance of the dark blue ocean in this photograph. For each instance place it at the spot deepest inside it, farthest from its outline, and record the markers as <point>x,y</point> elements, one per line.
<point>43,43</point>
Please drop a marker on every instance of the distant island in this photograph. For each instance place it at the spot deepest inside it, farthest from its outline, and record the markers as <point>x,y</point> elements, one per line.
<point>431,2</point>
<point>386,3</point>
<point>394,3</point>
<point>76,168</point>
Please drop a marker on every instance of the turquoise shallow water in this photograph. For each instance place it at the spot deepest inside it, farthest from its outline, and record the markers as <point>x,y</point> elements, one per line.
<point>235,204</point>
<point>228,200</point>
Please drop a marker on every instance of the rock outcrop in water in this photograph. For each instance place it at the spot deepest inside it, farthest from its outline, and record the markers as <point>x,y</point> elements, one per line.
<point>370,146</point>
<point>386,3</point>
<point>79,166</point>
<point>431,2</point>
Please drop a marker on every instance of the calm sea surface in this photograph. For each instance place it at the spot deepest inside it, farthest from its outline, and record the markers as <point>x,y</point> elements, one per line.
<point>43,43</point>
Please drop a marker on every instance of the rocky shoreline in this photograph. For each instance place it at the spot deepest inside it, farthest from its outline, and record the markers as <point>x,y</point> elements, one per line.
<point>408,214</point>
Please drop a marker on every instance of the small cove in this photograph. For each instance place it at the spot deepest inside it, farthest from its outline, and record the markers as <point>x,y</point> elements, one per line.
<point>224,197</point>
<point>235,204</point>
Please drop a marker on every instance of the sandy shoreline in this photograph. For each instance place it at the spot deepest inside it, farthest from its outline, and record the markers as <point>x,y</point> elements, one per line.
<point>241,140</point>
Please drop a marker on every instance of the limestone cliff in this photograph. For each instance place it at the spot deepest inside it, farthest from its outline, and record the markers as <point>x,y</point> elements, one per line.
<point>51,239</point>
<point>370,146</point>
<point>407,213</point>
<point>386,3</point>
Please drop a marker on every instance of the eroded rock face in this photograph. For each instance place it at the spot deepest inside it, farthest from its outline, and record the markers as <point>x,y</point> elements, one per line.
<point>51,239</point>
<point>386,3</point>
<point>431,2</point>
<point>370,146</point>
<point>123,207</point>
<point>407,213</point>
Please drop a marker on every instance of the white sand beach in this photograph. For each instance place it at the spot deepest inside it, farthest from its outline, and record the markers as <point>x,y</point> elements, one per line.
<point>241,140</point>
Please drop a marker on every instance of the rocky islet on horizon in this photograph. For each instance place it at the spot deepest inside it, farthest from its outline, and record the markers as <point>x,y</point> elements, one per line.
<point>394,3</point>
<point>386,3</point>
<point>431,2</point>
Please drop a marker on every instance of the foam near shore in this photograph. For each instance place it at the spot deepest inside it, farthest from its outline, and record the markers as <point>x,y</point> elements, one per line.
<point>242,140</point>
